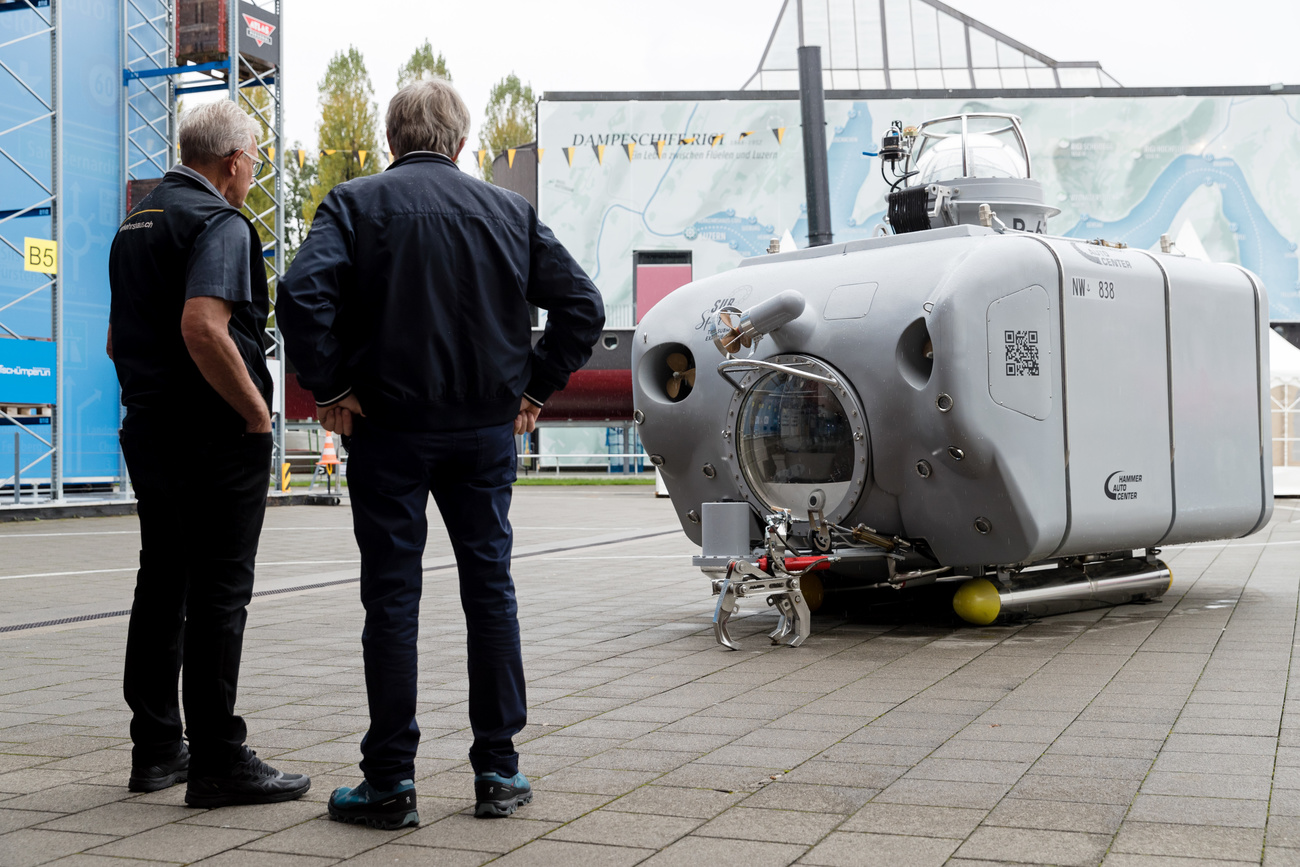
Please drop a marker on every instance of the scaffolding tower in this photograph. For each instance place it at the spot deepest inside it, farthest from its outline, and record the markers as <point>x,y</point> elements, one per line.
<point>153,84</point>
<point>41,198</point>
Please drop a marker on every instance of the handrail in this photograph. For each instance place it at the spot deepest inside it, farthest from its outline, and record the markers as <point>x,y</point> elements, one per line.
<point>725,368</point>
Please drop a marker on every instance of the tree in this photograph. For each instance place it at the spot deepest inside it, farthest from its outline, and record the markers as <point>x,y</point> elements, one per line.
<point>508,122</point>
<point>423,65</point>
<point>297,195</point>
<point>347,131</point>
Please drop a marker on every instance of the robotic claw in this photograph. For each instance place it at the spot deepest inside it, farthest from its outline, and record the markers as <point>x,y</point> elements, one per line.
<point>776,573</point>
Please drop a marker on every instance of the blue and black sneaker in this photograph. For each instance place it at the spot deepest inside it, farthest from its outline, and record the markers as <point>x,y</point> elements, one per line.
<point>497,796</point>
<point>366,805</point>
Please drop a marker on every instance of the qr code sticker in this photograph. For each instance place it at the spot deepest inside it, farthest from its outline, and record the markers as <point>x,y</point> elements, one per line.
<point>1022,353</point>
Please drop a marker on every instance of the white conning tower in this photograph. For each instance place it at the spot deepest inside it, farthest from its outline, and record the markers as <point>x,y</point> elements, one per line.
<point>965,169</point>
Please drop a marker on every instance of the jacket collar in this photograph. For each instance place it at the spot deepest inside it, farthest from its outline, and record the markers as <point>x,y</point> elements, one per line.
<point>183,171</point>
<point>423,157</point>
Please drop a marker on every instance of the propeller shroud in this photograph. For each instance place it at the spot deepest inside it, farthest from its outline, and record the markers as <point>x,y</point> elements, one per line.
<point>680,371</point>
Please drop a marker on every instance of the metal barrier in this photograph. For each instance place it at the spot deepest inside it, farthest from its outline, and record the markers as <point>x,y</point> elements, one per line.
<point>537,460</point>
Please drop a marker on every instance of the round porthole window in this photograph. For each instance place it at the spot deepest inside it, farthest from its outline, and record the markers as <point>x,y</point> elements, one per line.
<point>799,430</point>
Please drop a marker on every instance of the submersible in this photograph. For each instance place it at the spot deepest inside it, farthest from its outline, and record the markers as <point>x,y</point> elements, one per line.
<point>965,398</point>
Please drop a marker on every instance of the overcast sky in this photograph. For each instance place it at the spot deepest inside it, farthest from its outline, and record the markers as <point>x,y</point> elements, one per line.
<point>716,44</point>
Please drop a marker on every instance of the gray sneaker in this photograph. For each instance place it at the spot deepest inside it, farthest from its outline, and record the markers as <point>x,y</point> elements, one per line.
<point>249,780</point>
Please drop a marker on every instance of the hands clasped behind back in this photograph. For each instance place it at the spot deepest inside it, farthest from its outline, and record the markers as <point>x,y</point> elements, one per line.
<point>337,417</point>
<point>526,421</point>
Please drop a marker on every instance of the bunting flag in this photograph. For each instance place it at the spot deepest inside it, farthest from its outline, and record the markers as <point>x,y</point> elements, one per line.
<point>690,140</point>
<point>628,149</point>
<point>779,132</point>
<point>746,134</point>
<point>540,151</point>
<point>600,153</point>
<point>717,138</point>
<point>302,157</point>
<point>329,152</point>
<point>659,147</point>
<point>482,158</point>
<point>510,157</point>
<point>568,155</point>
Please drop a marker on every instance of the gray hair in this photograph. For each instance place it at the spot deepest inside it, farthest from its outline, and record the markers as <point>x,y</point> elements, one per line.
<point>427,116</point>
<point>212,130</point>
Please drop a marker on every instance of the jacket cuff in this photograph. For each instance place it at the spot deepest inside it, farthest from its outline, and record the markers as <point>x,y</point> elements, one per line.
<point>534,401</point>
<point>331,397</point>
<point>538,391</point>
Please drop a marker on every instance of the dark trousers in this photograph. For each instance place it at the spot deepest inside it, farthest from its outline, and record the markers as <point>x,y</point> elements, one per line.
<point>469,473</point>
<point>198,538</point>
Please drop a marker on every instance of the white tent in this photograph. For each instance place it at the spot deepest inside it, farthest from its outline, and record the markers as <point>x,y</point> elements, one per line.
<point>1284,387</point>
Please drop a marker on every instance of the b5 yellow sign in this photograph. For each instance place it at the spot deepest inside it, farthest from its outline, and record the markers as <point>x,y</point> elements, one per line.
<point>40,255</point>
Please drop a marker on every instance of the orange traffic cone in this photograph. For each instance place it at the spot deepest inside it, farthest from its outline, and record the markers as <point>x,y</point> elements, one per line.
<point>329,457</point>
<point>329,460</point>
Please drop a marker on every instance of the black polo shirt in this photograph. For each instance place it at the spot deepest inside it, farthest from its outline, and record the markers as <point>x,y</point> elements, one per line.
<point>184,240</point>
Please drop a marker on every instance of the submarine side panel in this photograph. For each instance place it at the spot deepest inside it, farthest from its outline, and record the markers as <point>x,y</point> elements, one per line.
<point>995,493</point>
<point>1216,363</point>
<point>1117,404</point>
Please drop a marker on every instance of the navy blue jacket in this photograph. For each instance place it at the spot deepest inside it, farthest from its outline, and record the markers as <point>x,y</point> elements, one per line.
<point>412,291</point>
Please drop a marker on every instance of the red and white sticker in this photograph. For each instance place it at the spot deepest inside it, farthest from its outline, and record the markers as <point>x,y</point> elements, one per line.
<point>258,30</point>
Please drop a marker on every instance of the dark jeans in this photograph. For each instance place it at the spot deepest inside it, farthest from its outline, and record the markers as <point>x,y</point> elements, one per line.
<point>469,472</point>
<point>200,518</point>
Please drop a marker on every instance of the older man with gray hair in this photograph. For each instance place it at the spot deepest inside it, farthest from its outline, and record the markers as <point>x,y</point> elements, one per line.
<point>406,312</point>
<point>189,306</point>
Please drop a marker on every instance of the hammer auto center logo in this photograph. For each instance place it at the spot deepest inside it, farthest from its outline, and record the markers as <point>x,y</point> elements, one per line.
<point>1122,486</point>
<point>1099,255</point>
<point>258,30</point>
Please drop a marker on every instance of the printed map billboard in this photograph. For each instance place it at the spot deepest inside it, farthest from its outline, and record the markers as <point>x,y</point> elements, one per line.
<point>721,177</point>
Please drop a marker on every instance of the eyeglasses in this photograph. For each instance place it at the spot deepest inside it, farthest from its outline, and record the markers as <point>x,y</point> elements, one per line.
<point>258,165</point>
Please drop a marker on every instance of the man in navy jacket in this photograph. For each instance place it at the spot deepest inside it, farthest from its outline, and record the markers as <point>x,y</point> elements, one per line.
<point>406,313</point>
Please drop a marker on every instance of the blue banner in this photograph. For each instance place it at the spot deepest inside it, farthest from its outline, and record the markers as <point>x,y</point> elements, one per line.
<point>26,371</point>
<point>92,90</point>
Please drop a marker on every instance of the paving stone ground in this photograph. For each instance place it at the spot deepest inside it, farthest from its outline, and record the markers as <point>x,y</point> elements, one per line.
<point>1161,734</point>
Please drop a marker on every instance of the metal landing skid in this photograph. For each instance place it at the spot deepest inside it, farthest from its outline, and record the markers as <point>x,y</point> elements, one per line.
<point>776,568</point>
<point>781,583</point>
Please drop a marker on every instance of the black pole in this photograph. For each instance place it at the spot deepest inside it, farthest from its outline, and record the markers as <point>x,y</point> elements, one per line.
<point>18,468</point>
<point>816,177</point>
